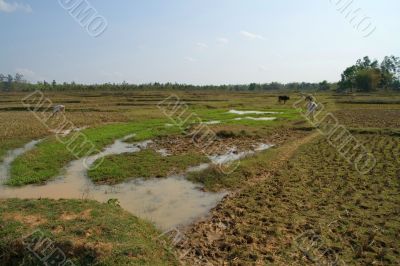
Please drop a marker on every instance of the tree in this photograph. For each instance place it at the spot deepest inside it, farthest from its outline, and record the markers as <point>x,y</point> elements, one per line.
<point>324,86</point>
<point>8,83</point>
<point>2,80</point>
<point>252,87</point>
<point>348,79</point>
<point>396,85</point>
<point>367,75</point>
<point>368,79</point>
<point>391,64</point>
<point>367,63</point>
<point>390,71</point>
<point>19,78</point>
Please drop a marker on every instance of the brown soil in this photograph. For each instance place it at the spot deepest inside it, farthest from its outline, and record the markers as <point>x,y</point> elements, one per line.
<point>29,220</point>
<point>183,144</point>
<point>208,242</point>
<point>85,215</point>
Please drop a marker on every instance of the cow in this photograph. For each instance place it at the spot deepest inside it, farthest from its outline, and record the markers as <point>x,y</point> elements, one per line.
<point>283,99</point>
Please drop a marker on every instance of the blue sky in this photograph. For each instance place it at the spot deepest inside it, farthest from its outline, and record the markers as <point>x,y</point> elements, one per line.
<point>196,41</point>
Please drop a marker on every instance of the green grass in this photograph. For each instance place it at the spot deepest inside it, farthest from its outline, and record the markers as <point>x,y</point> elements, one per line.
<point>45,162</point>
<point>144,164</point>
<point>89,233</point>
<point>50,156</point>
<point>213,179</point>
<point>228,118</point>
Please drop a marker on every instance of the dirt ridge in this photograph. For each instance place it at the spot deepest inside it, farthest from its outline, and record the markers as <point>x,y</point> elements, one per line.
<point>204,237</point>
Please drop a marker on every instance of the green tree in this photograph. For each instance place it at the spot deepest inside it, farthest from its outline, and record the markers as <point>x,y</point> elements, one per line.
<point>390,71</point>
<point>8,83</point>
<point>324,86</point>
<point>368,79</point>
<point>348,80</point>
<point>367,63</point>
<point>252,87</point>
<point>366,75</point>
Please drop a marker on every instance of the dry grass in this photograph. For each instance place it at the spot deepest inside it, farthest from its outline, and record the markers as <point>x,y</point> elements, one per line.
<point>355,216</point>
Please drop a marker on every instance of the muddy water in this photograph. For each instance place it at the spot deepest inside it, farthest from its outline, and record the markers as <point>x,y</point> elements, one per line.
<point>11,156</point>
<point>67,131</point>
<point>168,202</point>
<point>256,118</point>
<point>237,112</point>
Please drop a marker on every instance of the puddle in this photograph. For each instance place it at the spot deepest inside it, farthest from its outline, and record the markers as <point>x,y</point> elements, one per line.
<point>168,202</point>
<point>198,168</point>
<point>237,112</point>
<point>263,147</point>
<point>216,122</point>
<point>256,118</point>
<point>11,156</point>
<point>68,131</point>
<point>230,156</point>
<point>233,155</point>
<point>163,152</point>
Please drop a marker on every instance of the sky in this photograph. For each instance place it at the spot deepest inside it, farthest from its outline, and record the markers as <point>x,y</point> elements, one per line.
<point>194,41</point>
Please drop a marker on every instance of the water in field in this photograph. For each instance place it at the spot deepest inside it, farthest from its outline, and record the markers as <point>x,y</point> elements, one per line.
<point>168,202</point>
<point>237,112</point>
<point>11,156</point>
<point>67,131</point>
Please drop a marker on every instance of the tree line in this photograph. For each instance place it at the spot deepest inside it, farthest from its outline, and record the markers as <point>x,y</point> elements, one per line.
<point>366,75</point>
<point>10,83</point>
<point>369,75</point>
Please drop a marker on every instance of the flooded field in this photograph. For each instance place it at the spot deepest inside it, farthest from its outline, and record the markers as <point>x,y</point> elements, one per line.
<point>151,175</point>
<point>199,133</point>
<point>10,157</point>
<point>168,202</point>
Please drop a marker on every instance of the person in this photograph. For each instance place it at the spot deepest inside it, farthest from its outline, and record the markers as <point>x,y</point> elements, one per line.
<point>311,107</point>
<point>58,109</point>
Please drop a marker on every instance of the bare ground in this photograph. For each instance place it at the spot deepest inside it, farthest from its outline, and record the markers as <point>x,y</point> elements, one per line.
<point>210,241</point>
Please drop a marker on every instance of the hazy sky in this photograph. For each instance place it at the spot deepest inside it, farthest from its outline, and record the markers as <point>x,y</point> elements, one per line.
<point>196,41</point>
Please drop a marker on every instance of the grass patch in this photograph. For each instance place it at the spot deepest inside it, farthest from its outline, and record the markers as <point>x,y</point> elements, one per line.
<point>227,118</point>
<point>50,156</point>
<point>88,232</point>
<point>144,164</point>
<point>214,180</point>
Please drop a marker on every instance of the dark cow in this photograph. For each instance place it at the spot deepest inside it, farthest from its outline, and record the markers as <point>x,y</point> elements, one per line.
<point>283,99</point>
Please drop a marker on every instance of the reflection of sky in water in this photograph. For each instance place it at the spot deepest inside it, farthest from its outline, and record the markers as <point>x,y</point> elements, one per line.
<point>11,156</point>
<point>168,202</point>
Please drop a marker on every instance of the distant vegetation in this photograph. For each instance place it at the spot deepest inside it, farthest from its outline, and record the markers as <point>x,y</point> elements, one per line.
<point>17,83</point>
<point>365,75</point>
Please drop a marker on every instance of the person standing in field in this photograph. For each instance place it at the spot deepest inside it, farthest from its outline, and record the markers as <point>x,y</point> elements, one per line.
<point>58,109</point>
<point>311,107</point>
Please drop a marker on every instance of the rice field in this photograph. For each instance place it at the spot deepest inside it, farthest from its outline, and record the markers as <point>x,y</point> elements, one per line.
<point>151,174</point>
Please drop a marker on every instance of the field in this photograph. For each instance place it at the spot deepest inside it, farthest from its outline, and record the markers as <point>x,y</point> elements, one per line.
<point>277,200</point>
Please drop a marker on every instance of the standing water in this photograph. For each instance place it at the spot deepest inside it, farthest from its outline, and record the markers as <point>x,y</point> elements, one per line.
<point>168,202</point>
<point>11,156</point>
